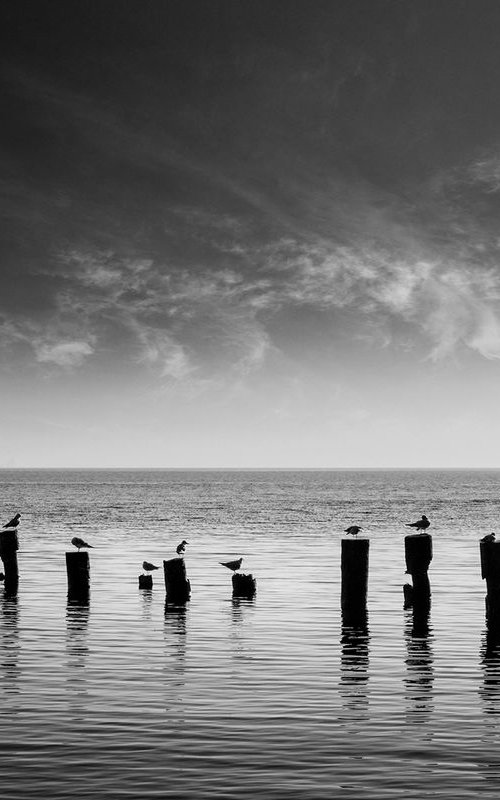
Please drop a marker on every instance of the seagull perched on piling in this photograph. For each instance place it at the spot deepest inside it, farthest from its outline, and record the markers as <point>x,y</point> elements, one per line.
<point>490,537</point>
<point>180,547</point>
<point>353,529</point>
<point>79,543</point>
<point>234,565</point>
<point>13,523</point>
<point>420,524</point>
<point>147,567</point>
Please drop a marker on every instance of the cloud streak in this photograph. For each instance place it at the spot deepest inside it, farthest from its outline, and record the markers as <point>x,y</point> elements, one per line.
<point>63,354</point>
<point>192,323</point>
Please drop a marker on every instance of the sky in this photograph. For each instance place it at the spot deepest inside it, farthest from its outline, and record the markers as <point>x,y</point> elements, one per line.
<point>250,233</point>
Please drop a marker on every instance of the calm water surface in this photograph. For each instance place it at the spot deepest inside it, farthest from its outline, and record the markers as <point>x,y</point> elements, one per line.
<point>232,698</point>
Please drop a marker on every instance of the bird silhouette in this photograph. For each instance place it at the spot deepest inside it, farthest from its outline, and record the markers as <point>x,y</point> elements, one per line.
<point>354,529</point>
<point>490,537</point>
<point>79,543</point>
<point>14,522</point>
<point>234,565</point>
<point>420,524</point>
<point>148,567</point>
<point>180,547</point>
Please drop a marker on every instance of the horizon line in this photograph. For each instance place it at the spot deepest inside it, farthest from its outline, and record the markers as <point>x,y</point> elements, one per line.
<point>252,469</point>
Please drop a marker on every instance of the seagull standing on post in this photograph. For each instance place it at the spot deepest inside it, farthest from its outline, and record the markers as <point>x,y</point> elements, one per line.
<point>420,524</point>
<point>148,567</point>
<point>234,565</point>
<point>79,543</point>
<point>181,547</point>
<point>13,523</point>
<point>353,529</point>
<point>490,537</point>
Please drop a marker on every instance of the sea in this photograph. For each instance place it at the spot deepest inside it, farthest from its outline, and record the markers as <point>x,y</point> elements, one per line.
<point>270,697</point>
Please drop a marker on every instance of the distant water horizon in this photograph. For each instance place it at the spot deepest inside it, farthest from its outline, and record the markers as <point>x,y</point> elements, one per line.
<point>257,469</point>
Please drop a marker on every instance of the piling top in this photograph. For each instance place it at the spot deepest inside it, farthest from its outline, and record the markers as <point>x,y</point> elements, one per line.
<point>9,542</point>
<point>418,552</point>
<point>490,560</point>
<point>355,545</point>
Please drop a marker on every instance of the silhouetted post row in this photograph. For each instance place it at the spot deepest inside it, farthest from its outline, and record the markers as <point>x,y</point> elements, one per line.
<point>177,586</point>
<point>490,571</point>
<point>418,556</point>
<point>9,545</point>
<point>354,569</point>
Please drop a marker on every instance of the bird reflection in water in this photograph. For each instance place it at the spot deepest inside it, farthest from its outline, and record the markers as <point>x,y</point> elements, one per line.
<point>77,650</point>
<point>489,690</point>
<point>419,677</point>
<point>354,664</point>
<point>9,644</point>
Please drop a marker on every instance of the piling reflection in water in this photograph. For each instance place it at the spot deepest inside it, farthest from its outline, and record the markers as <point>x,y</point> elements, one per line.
<point>146,602</point>
<point>354,664</point>
<point>240,610</point>
<point>175,637</point>
<point>77,651</point>
<point>489,689</point>
<point>9,644</point>
<point>419,676</point>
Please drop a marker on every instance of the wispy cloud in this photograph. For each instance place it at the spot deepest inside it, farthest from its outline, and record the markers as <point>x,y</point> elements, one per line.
<point>189,324</point>
<point>63,354</point>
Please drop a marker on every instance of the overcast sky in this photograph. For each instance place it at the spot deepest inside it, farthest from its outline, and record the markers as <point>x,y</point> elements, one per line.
<point>248,233</point>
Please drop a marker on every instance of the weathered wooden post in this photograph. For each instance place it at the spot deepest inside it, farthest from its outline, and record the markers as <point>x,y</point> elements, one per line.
<point>418,556</point>
<point>145,581</point>
<point>9,545</point>
<point>354,568</point>
<point>243,585</point>
<point>78,570</point>
<point>177,586</point>
<point>490,571</point>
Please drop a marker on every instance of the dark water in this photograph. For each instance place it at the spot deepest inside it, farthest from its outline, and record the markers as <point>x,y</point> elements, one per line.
<point>265,698</point>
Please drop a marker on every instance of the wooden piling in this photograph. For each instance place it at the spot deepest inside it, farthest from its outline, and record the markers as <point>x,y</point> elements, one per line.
<point>177,586</point>
<point>490,571</point>
<point>418,556</point>
<point>9,545</point>
<point>145,581</point>
<point>78,570</point>
<point>408,595</point>
<point>244,585</point>
<point>354,568</point>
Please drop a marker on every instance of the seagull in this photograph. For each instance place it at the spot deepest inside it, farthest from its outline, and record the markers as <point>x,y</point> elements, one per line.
<point>147,567</point>
<point>180,547</point>
<point>490,537</point>
<point>79,543</point>
<point>354,529</point>
<point>234,565</point>
<point>13,523</point>
<point>420,524</point>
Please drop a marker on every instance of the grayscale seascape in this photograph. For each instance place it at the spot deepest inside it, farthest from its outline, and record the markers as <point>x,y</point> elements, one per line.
<point>250,299</point>
<point>243,698</point>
